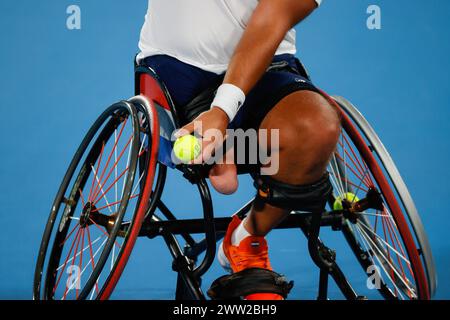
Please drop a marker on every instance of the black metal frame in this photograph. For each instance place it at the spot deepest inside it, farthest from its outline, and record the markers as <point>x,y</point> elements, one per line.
<point>185,260</point>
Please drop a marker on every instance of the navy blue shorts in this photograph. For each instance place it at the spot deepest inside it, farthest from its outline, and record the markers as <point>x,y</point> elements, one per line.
<point>186,82</point>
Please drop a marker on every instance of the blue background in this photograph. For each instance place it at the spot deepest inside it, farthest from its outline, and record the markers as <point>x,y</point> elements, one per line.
<point>54,82</point>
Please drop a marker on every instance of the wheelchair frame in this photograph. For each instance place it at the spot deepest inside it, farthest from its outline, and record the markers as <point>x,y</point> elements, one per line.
<point>189,275</point>
<point>185,259</point>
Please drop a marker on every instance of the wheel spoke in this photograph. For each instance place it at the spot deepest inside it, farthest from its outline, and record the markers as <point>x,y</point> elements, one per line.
<point>87,247</point>
<point>345,167</point>
<point>362,165</point>
<point>138,183</point>
<point>141,152</point>
<point>77,226</point>
<point>129,143</point>
<point>98,165</point>
<point>114,182</point>
<point>82,198</point>
<point>357,175</point>
<point>94,290</point>
<point>335,169</point>
<point>65,262</point>
<point>398,256</point>
<point>388,261</point>
<point>114,203</point>
<point>376,258</point>
<point>73,263</point>
<point>128,165</point>
<point>110,155</point>
<point>374,214</point>
<point>399,245</point>
<point>84,269</point>
<point>104,232</point>
<point>358,168</point>
<point>335,183</point>
<point>81,259</point>
<point>384,242</point>
<point>348,182</point>
<point>103,193</point>
<point>387,248</point>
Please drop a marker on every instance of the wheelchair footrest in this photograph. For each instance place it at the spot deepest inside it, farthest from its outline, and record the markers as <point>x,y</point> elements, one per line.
<point>249,281</point>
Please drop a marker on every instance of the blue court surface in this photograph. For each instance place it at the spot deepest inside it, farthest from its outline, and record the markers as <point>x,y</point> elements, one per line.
<point>54,82</point>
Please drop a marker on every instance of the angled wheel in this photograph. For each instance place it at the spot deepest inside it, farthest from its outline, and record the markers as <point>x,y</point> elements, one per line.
<point>381,223</point>
<point>100,206</point>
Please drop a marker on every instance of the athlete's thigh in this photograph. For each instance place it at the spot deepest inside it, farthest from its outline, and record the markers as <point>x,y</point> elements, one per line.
<point>270,90</point>
<point>301,112</point>
<point>308,129</point>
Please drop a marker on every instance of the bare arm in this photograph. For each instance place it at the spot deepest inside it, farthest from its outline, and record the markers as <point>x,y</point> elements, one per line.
<point>266,29</point>
<point>268,26</point>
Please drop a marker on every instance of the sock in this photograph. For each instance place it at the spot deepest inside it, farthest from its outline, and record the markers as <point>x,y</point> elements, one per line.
<point>239,234</point>
<point>223,260</point>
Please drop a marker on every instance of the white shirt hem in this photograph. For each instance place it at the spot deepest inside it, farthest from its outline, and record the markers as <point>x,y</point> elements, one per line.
<point>214,68</point>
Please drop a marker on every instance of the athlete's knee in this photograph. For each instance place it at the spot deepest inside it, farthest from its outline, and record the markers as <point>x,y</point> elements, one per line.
<point>309,128</point>
<point>313,124</point>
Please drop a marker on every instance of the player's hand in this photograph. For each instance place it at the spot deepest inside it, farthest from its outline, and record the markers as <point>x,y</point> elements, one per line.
<point>210,127</point>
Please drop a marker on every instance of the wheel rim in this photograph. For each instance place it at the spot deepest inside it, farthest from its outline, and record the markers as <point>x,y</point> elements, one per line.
<point>380,229</point>
<point>104,195</point>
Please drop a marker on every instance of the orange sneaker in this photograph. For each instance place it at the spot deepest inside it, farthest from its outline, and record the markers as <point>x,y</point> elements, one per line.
<point>252,252</point>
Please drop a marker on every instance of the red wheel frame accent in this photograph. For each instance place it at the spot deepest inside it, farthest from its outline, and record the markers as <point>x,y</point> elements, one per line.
<point>366,153</point>
<point>143,206</point>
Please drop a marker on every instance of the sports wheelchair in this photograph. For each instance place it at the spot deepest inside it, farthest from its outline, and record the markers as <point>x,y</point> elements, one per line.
<point>111,195</point>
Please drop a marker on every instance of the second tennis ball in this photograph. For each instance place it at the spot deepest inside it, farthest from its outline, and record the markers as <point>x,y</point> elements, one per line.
<point>187,148</point>
<point>349,197</point>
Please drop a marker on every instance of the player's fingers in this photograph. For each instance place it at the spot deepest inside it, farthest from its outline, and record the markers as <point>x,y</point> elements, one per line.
<point>210,146</point>
<point>205,145</point>
<point>184,131</point>
<point>208,151</point>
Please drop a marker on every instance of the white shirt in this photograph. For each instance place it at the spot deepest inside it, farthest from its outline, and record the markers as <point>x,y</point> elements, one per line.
<point>203,33</point>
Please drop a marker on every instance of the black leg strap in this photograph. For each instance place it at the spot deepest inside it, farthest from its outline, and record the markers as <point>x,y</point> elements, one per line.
<point>249,281</point>
<point>311,198</point>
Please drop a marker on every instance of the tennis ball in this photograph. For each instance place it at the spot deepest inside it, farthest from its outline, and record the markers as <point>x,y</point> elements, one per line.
<point>187,148</point>
<point>350,197</point>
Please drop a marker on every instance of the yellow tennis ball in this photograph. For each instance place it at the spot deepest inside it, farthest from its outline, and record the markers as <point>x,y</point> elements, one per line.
<point>350,197</point>
<point>187,148</point>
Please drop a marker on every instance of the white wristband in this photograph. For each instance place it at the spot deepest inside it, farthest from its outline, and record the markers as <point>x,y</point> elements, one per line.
<point>230,99</point>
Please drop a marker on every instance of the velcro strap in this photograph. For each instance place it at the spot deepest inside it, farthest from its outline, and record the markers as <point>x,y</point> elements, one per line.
<point>311,198</point>
<point>249,281</point>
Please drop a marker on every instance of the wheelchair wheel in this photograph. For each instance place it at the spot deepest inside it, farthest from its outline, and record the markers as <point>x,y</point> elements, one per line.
<point>381,223</point>
<point>100,206</point>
